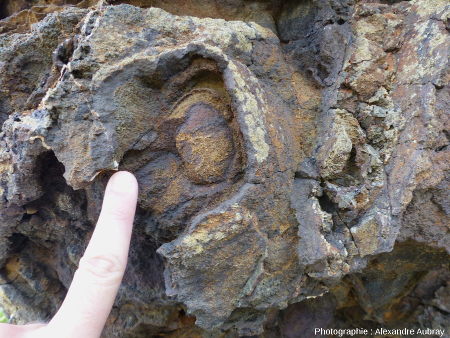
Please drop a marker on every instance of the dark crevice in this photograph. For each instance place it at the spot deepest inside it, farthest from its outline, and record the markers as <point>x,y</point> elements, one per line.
<point>441,148</point>
<point>4,10</point>
<point>25,218</point>
<point>64,52</point>
<point>326,204</point>
<point>18,242</point>
<point>55,188</point>
<point>10,7</point>
<point>392,2</point>
<point>51,172</point>
<point>447,134</point>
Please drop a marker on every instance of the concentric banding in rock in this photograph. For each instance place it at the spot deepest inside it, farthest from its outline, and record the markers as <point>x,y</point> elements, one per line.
<point>205,144</point>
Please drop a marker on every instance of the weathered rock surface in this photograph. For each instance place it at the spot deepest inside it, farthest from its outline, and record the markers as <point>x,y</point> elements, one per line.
<point>292,157</point>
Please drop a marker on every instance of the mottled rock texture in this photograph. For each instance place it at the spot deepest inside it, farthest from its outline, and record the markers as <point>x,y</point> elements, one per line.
<point>292,157</point>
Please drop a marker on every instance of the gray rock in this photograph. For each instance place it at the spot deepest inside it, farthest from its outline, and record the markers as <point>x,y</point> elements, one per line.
<point>292,158</point>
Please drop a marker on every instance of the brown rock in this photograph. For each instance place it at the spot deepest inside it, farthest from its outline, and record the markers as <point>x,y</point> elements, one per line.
<point>292,158</point>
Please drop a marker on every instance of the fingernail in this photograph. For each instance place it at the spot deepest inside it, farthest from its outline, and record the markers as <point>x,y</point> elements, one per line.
<point>122,182</point>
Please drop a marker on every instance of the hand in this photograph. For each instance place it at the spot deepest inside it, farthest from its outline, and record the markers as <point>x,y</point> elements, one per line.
<point>95,284</point>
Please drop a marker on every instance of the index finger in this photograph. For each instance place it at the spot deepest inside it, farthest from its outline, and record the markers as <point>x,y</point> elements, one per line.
<point>96,282</point>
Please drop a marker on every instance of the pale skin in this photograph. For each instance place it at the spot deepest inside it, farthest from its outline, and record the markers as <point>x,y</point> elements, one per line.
<point>95,284</point>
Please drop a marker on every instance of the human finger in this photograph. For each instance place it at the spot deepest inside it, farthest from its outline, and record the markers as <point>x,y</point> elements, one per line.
<point>18,331</point>
<point>91,295</point>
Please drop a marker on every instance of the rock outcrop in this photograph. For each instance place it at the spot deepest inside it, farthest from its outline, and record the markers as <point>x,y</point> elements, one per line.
<point>292,158</point>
